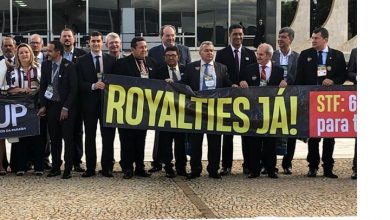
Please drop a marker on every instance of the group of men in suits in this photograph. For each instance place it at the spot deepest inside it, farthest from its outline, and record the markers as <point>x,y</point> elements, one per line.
<point>72,85</point>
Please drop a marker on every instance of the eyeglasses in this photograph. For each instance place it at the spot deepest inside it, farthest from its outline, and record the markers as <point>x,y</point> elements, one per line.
<point>32,42</point>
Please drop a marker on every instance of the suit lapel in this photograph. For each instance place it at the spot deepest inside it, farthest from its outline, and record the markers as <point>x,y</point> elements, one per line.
<point>196,76</point>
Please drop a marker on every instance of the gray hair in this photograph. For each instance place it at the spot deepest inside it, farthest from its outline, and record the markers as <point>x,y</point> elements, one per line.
<point>290,32</point>
<point>204,43</point>
<point>112,35</point>
<point>268,48</point>
<point>8,38</point>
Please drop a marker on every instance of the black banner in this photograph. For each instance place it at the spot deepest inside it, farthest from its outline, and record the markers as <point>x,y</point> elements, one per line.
<point>257,111</point>
<point>18,116</point>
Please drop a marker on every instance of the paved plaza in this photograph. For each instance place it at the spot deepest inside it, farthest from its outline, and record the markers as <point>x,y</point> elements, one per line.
<point>157,197</point>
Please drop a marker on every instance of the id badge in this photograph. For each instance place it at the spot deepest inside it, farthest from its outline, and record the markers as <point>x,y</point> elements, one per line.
<point>321,71</point>
<point>144,75</point>
<point>209,82</point>
<point>263,82</point>
<point>49,92</point>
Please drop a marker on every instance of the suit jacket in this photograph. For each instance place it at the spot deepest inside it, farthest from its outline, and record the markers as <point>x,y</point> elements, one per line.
<point>77,53</point>
<point>191,75</point>
<point>87,76</point>
<point>1,57</point>
<point>157,53</point>
<point>127,67</point>
<point>352,66</point>
<point>292,65</point>
<point>226,57</point>
<point>67,82</point>
<point>163,72</point>
<point>308,63</point>
<point>253,70</point>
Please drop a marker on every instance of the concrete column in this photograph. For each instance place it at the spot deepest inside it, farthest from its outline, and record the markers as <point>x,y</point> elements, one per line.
<point>337,23</point>
<point>301,25</point>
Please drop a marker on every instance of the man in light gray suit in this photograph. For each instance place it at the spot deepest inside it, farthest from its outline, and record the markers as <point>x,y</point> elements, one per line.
<point>288,59</point>
<point>168,37</point>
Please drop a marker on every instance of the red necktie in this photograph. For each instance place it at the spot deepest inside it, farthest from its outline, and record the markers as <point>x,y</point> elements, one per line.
<point>263,73</point>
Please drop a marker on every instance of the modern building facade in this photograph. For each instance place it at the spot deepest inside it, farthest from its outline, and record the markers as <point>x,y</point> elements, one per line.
<point>195,20</point>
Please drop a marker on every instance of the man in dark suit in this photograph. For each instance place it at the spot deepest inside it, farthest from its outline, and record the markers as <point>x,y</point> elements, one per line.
<point>90,68</point>
<point>262,73</point>
<point>236,57</point>
<point>71,54</point>
<point>138,64</point>
<point>352,73</point>
<point>172,73</point>
<point>206,74</point>
<point>288,60</point>
<point>321,65</point>
<point>168,38</point>
<point>57,94</point>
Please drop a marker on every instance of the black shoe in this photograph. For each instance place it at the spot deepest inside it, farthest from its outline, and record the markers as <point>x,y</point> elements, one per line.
<point>193,175</point>
<point>54,173</point>
<point>142,173</point>
<point>89,173</point>
<point>181,172</point>
<point>354,175</point>
<point>38,173</point>
<point>67,174</point>
<point>107,173</point>
<point>245,171</point>
<point>312,172</point>
<point>225,171</point>
<point>263,171</point>
<point>287,171</point>
<point>3,172</point>
<point>128,174</point>
<point>20,173</point>
<point>215,175</point>
<point>78,168</point>
<point>330,174</point>
<point>253,175</point>
<point>155,169</point>
<point>170,173</point>
<point>273,175</point>
<point>47,166</point>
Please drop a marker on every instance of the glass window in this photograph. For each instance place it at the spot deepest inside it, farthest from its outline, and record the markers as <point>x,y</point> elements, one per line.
<point>213,22</point>
<point>146,17</point>
<point>244,12</point>
<point>289,9</point>
<point>181,14</point>
<point>319,13</point>
<point>103,16</point>
<point>69,13</point>
<point>4,17</point>
<point>29,16</point>
<point>352,18</point>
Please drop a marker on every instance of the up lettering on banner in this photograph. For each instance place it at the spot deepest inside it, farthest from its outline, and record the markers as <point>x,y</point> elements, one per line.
<point>333,114</point>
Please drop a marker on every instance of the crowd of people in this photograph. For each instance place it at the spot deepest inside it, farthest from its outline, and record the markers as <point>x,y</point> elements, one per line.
<point>68,85</point>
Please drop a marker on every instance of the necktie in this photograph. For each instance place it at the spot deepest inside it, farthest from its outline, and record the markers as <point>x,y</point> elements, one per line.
<point>97,64</point>
<point>54,70</point>
<point>10,67</point>
<point>206,69</point>
<point>263,73</point>
<point>320,58</point>
<point>174,77</point>
<point>142,68</point>
<point>237,61</point>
